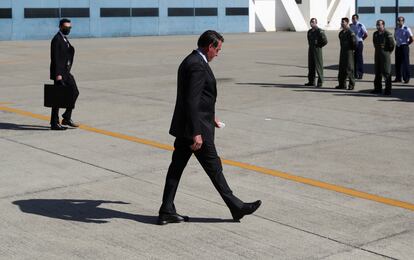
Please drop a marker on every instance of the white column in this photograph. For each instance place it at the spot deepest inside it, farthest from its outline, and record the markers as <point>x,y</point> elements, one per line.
<point>318,9</point>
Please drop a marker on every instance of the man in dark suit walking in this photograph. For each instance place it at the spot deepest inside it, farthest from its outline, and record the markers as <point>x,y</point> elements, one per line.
<point>61,60</point>
<point>193,124</point>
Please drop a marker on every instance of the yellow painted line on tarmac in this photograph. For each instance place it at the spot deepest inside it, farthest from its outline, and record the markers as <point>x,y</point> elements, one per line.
<point>127,137</point>
<point>322,185</point>
<point>24,113</point>
<point>279,174</point>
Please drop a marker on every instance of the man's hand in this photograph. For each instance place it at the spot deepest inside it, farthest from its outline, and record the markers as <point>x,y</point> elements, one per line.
<point>198,142</point>
<point>60,83</point>
<point>219,124</point>
<point>216,123</point>
<point>364,36</point>
<point>59,77</point>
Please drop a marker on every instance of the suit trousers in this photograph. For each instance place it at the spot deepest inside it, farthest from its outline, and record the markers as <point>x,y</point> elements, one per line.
<point>359,59</point>
<point>69,81</point>
<point>402,62</point>
<point>211,163</point>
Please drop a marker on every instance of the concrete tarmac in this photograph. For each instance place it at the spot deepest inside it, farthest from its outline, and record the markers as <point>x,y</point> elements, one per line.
<point>94,192</point>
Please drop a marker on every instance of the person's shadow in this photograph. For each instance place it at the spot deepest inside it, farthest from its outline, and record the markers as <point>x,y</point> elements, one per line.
<point>369,68</point>
<point>88,211</point>
<point>10,126</point>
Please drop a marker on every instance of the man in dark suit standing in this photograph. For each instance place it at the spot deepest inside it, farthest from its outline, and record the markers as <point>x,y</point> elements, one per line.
<point>61,60</point>
<point>193,125</point>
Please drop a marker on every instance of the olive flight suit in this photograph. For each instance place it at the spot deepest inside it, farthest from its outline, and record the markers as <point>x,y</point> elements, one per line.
<point>384,45</point>
<point>316,40</point>
<point>346,59</point>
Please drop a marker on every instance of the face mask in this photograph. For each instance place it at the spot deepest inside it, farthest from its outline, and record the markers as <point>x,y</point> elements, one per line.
<point>65,30</point>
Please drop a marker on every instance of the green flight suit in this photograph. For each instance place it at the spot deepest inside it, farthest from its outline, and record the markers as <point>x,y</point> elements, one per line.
<point>384,45</point>
<point>316,40</point>
<point>347,41</point>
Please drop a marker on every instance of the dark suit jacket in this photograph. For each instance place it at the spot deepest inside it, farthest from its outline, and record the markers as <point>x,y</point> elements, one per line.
<point>194,111</point>
<point>61,57</point>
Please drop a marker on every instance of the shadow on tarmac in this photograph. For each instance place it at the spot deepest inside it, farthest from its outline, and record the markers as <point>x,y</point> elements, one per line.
<point>369,68</point>
<point>405,94</point>
<point>279,64</point>
<point>88,211</point>
<point>334,79</point>
<point>10,126</point>
<point>276,85</point>
<point>398,94</point>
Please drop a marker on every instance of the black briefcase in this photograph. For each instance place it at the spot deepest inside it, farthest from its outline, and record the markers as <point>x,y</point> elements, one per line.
<point>58,96</point>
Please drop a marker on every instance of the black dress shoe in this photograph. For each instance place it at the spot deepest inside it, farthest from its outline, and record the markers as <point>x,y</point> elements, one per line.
<point>319,85</point>
<point>164,219</point>
<point>186,218</point>
<point>406,81</point>
<point>69,123</point>
<point>339,87</point>
<point>309,84</point>
<point>247,209</point>
<point>350,87</point>
<point>387,92</point>
<point>58,127</point>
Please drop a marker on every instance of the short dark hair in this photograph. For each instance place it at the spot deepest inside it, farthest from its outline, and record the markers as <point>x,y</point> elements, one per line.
<point>316,20</point>
<point>401,18</point>
<point>381,21</point>
<point>209,37</point>
<point>346,19</point>
<point>356,15</point>
<point>62,21</point>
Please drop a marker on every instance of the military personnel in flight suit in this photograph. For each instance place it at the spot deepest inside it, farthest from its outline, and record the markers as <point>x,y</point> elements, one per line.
<point>316,40</point>
<point>384,45</point>
<point>346,59</point>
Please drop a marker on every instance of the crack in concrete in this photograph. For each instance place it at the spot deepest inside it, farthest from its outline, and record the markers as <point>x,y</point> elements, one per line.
<point>318,125</point>
<point>326,237</point>
<point>386,237</point>
<point>298,229</point>
<point>120,174</point>
<point>123,175</point>
<point>286,148</point>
